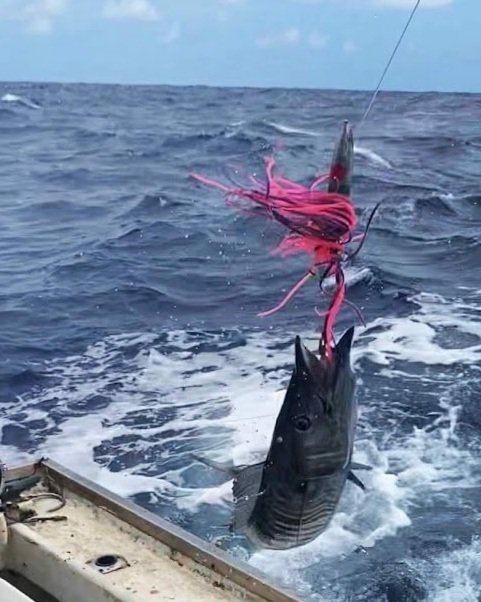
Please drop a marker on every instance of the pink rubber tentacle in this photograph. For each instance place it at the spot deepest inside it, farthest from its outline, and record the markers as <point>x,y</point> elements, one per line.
<point>269,169</point>
<point>352,305</point>
<point>339,298</point>
<point>289,184</point>
<point>332,312</point>
<point>256,181</point>
<point>320,224</point>
<point>296,288</point>
<point>319,180</point>
<point>356,309</point>
<point>321,314</point>
<point>210,182</point>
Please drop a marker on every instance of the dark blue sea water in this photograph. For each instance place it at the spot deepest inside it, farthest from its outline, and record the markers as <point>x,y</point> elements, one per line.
<point>128,300</point>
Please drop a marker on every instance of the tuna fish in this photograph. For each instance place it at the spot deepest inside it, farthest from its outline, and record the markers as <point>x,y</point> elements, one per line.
<point>290,498</point>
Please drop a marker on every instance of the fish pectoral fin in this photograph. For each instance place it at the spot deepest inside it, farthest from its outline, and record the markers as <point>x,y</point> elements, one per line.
<point>352,477</point>
<point>358,466</point>
<point>228,469</point>
<point>246,488</point>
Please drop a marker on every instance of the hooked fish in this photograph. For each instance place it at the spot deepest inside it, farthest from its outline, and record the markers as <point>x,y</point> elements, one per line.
<point>290,498</point>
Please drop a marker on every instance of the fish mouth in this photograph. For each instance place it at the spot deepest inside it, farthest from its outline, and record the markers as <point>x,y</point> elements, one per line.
<point>321,381</point>
<point>306,361</point>
<point>308,365</point>
<point>342,350</point>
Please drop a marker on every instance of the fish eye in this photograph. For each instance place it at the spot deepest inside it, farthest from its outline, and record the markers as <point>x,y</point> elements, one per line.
<point>302,423</point>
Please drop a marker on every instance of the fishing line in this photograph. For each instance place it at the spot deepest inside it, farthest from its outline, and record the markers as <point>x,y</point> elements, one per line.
<point>386,68</point>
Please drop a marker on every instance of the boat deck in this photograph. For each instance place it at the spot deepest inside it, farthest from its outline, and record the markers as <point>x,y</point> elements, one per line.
<point>91,545</point>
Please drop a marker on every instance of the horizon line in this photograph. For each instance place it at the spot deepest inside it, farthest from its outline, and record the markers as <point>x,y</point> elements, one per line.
<point>236,87</point>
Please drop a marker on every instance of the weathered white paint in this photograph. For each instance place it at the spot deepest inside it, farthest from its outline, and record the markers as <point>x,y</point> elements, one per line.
<point>164,562</point>
<point>8,593</point>
<point>54,556</point>
<point>3,540</point>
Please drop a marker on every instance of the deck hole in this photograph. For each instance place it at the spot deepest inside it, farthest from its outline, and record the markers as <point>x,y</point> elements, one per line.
<point>106,561</point>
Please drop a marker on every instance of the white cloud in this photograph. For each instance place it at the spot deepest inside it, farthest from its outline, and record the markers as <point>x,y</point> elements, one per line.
<point>142,10</point>
<point>292,37</point>
<point>289,37</point>
<point>403,4</point>
<point>411,3</point>
<point>316,40</point>
<point>171,34</point>
<point>310,1</point>
<point>37,15</point>
<point>349,47</point>
<point>225,8</point>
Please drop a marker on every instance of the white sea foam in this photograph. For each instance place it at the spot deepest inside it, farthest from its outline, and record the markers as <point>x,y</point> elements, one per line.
<point>413,338</point>
<point>288,129</point>
<point>458,575</point>
<point>353,275</point>
<point>361,151</point>
<point>370,155</point>
<point>80,435</point>
<point>19,100</point>
<point>248,382</point>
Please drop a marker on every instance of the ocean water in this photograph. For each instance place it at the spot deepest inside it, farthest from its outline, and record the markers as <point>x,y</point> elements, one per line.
<point>128,301</point>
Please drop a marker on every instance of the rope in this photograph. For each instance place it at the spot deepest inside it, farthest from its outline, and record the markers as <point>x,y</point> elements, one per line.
<point>386,68</point>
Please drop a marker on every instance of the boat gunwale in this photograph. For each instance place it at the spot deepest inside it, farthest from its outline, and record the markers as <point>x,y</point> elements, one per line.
<point>174,537</point>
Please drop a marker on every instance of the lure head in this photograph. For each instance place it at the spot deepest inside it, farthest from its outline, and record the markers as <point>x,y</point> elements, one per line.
<point>340,174</point>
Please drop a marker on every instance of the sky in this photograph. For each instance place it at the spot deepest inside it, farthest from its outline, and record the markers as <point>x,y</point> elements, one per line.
<point>268,43</point>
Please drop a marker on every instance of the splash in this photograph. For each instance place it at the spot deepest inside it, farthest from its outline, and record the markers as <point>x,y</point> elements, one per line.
<point>19,100</point>
<point>370,155</point>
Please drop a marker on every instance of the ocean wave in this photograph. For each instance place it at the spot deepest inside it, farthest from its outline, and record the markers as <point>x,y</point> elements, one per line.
<point>20,100</point>
<point>371,156</point>
<point>287,129</point>
<point>194,391</point>
<point>130,297</point>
